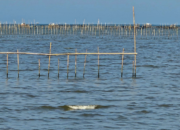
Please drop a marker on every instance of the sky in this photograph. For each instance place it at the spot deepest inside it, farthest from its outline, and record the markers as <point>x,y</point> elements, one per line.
<point>89,11</point>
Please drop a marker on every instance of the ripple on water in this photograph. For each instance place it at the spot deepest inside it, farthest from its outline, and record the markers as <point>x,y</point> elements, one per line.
<point>73,107</point>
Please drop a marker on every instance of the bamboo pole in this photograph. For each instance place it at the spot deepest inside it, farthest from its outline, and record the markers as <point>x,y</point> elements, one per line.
<point>84,64</point>
<point>49,59</point>
<point>7,65</point>
<point>122,64</point>
<point>39,67</point>
<point>67,65</point>
<point>42,29</point>
<point>18,62</point>
<point>37,30</point>
<point>34,28</point>
<point>98,62</point>
<point>177,32</point>
<point>133,70</point>
<point>134,41</point>
<point>58,68</point>
<point>45,30</point>
<point>58,54</point>
<point>75,61</point>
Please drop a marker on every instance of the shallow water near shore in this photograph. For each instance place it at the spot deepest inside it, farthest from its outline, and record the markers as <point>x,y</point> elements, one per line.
<point>149,101</point>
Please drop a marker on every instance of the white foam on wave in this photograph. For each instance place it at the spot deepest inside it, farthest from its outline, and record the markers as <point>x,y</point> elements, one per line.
<point>77,107</point>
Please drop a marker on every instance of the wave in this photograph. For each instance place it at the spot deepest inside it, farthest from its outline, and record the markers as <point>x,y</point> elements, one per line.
<point>73,107</point>
<point>82,107</point>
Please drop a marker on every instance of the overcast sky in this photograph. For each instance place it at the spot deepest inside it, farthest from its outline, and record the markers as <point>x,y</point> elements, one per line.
<point>107,11</point>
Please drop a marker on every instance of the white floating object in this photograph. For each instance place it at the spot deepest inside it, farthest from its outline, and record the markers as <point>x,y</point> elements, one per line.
<point>76,107</point>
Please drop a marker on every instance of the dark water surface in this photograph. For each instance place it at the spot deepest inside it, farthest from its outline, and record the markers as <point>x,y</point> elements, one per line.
<point>149,101</point>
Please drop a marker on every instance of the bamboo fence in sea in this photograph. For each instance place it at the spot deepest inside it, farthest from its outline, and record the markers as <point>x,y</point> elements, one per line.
<point>76,53</point>
<point>124,30</point>
<point>68,54</point>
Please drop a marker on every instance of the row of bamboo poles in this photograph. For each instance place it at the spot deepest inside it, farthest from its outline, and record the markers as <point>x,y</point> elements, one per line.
<point>68,54</point>
<point>97,30</point>
<point>76,53</point>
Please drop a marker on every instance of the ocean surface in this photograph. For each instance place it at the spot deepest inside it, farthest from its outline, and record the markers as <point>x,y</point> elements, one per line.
<point>149,101</point>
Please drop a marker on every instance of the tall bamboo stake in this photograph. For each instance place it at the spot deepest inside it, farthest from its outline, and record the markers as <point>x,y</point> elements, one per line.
<point>49,59</point>
<point>98,62</point>
<point>75,61</point>
<point>67,65</point>
<point>7,65</point>
<point>84,64</point>
<point>58,68</point>
<point>18,62</point>
<point>133,70</point>
<point>122,64</point>
<point>134,41</point>
<point>39,67</point>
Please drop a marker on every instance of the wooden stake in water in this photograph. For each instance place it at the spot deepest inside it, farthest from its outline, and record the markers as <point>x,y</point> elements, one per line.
<point>7,65</point>
<point>58,68</point>
<point>67,65</point>
<point>84,64</point>
<point>18,62</point>
<point>39,67</point>
<point>49,59</point>
<point>134,41</point>
<point>98,62</point>
<point>133,70</point>
<point>177,32</point>
<point>75,61</point>
<point>122,64</point>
